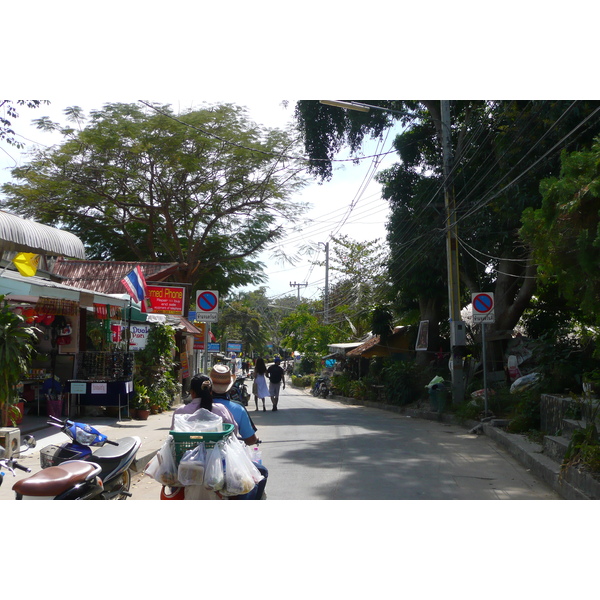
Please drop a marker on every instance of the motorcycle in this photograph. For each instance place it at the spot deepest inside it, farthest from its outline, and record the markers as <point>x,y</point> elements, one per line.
<point>239,391</point>
<point>321,387</point>
<point>114,459</point>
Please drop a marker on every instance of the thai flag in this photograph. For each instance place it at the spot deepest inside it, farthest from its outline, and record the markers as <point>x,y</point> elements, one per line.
<point>135,284</point>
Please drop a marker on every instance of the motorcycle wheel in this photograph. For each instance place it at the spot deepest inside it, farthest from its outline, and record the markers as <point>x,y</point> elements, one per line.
<point>123,483</point>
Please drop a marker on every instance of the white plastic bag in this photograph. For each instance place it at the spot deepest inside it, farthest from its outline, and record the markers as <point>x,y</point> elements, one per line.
<point>241,475</point>
<point>201,420</point>
<point>191,466</point>
<point>526,382</point>
<point>163,467</point>
<point>214,473</point>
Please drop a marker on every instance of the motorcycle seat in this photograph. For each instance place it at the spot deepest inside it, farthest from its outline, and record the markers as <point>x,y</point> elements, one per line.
<point>56,480</point>
<point>110,452</point>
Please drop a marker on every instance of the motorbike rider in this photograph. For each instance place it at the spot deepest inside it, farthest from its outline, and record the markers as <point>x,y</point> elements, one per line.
<point>201,393</point>
<point>222,380</point>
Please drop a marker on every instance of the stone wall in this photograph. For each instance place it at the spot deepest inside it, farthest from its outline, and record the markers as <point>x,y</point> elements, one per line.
<point>553,410</point>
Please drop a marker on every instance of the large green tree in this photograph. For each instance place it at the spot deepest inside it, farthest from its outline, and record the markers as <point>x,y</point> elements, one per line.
<point>500,151</point>
<point>565,231</point>
<point>205,189</point>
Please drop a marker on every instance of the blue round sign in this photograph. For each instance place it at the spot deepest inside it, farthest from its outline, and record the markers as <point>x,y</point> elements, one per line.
<point>483,303</point>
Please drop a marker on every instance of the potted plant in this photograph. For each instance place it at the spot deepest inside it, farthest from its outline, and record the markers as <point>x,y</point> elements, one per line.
<point>140,404</point>
<point>17,341</point>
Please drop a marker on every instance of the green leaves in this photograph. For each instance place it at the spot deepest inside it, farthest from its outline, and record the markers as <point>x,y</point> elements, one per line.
<point>204,189</point>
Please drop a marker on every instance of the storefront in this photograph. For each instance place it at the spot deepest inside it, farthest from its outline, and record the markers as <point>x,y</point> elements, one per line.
<point>76,346</point>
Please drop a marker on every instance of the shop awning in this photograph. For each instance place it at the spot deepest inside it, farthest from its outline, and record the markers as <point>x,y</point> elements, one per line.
<point>22,235</point>
<point>17,287</point>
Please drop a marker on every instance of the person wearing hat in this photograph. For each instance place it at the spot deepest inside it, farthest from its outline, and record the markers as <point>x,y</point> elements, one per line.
<point>222,380</point>
<point>276,377</point>
<point>201,392</point>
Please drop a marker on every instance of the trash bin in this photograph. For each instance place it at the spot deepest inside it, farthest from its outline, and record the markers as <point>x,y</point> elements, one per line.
<point>437,397</point>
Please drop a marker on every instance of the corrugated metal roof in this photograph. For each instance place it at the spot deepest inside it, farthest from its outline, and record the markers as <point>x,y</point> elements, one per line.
<point>13,283</point>
<point>105,276</point>
<point>22,235</point>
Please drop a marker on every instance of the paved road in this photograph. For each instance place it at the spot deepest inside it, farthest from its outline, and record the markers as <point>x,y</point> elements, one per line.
<point>324,450</point>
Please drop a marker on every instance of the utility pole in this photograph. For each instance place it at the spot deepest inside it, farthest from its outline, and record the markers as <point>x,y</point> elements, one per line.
<point>298,285</point>
<point>326,300</point>
<point>457,327</point>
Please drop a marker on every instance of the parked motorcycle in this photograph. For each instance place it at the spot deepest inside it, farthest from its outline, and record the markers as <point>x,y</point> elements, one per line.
<point>239,391</point>
<point>321,387</point>
<point>114,459</point>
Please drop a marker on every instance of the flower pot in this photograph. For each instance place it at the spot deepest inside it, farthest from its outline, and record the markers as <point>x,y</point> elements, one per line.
<point>21,407</point>
<point>143,414</point>
<point>133,413</point>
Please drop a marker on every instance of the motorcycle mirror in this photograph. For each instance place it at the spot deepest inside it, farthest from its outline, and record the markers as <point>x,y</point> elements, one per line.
<point>29,441</point>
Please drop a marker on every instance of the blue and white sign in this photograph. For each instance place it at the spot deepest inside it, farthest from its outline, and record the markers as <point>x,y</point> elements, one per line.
<point>207,306</point>
<point>483,307</point>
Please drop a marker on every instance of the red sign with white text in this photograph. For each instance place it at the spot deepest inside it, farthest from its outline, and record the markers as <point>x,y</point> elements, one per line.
<point>166,300</point>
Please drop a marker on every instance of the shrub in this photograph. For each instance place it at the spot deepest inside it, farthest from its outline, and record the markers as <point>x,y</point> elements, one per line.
<point>402,382</point>
<point>341,383</point>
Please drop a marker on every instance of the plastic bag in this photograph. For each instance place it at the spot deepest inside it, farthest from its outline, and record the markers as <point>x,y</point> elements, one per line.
<point>191,466</point>
<point>163,467</point>
<point>241,475</point>
<point>526,382</point>
<point>214,473</point>
<point>201,420</point>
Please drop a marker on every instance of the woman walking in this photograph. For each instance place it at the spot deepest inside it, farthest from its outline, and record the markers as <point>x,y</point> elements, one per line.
<point>260,389</point>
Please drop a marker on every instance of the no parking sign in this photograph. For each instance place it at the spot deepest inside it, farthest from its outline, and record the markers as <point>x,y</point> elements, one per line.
<point>207,306</point>
<point>483,307</point>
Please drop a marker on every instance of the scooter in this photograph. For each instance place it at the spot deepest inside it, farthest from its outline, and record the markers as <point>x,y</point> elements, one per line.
<point>114,458</point>
<point>321,387</point>
<point>239,391</point>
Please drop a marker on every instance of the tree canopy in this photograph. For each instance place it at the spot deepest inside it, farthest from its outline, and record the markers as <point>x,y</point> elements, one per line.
<point>565,231</point>
<point>500,152</point>
<point>204,189</point>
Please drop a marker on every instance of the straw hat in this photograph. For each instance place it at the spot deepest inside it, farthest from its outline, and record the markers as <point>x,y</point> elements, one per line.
<point>222,378</point>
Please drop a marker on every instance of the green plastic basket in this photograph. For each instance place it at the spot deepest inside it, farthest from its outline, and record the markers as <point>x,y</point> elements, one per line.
<point>186,440</point>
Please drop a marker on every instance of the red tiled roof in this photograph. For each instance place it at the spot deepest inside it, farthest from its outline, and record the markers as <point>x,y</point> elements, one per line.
<point>105,276</point>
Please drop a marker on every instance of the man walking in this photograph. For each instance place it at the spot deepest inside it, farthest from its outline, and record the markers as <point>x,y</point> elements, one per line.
<point>276,377</point>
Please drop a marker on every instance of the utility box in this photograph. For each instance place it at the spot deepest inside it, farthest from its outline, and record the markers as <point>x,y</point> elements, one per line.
<point>458,333</point>
<point>10,440</point>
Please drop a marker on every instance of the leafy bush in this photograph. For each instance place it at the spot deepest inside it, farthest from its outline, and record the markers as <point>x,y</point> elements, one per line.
<point>402,382</point>
<point>301,381</point>
<point>341,383</point>
<point>526,413</point>
<point>359,390</point>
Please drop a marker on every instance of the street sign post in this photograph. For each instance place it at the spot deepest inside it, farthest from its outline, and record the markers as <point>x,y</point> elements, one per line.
<point>483,307</point>
<point>207,311</point>
<point>483,312</point>
<point>207,306</point>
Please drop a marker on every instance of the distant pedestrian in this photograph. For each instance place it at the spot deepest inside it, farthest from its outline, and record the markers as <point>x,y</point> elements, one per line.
<point>276,377</point>
<point>260,388</point>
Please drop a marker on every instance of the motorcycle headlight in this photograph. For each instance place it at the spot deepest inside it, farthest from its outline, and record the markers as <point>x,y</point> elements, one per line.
<point>84,437</point>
